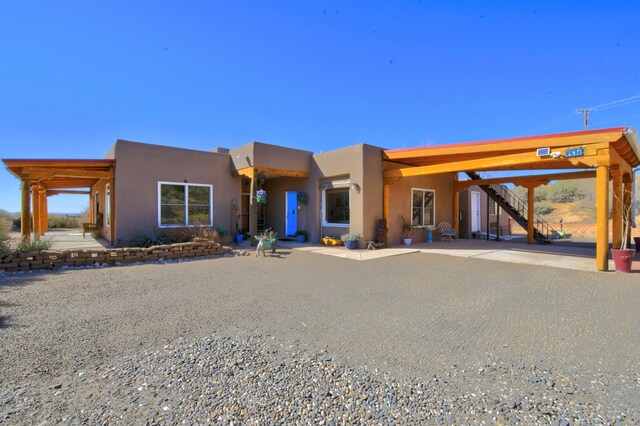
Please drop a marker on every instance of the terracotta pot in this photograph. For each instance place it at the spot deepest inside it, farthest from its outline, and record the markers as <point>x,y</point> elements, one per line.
<point>623,259</point>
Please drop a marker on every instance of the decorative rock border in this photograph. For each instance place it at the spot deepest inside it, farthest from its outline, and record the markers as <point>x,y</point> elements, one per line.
<point>53,259</point>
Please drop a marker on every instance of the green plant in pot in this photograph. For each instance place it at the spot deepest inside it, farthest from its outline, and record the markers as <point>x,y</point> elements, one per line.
<point>301,235</point>
<point>351,240</point>
<point>406,231</point>
<point>270,238</point>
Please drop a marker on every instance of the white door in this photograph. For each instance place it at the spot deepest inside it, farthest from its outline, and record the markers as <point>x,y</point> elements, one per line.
<point>475,211</point>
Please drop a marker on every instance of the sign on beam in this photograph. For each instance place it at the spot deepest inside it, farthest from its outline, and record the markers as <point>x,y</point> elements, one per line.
<point>574,152</point>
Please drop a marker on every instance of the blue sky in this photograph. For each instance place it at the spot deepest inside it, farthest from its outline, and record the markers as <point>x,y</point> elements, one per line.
<point>76,76</point>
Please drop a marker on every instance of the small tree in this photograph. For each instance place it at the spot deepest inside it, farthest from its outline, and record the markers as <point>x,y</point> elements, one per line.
<point>626,215</point>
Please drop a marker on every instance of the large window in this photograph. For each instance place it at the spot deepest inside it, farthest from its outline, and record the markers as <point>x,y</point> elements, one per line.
<point>184,204</point>
<point>423,207</point>
<point>336,207</point>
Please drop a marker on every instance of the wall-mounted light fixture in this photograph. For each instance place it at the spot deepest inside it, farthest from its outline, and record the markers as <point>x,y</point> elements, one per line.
<point>355,187</point>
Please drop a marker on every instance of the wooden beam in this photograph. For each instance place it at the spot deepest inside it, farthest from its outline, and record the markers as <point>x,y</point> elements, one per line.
<point>616,208</point>
<point>522,180</point>
<point>592,155</point>
<point>63,163</point>
<point>25,213</point>
<point>47,173</point>
<point>250,171</point>
<point>516,144</point>
<point>602,218</point>
<point>67,191</point>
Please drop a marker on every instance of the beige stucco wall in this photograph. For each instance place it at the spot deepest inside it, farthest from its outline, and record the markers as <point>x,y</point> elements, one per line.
<point>400,204</point>
<point>361,164</point>
<point>270,156</point>
<point>139,168</point>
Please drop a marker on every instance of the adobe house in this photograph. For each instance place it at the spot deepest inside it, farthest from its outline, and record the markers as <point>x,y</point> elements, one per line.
<point>140,187</point>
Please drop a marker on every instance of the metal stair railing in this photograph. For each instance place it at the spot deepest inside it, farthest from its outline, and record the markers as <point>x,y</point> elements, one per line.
<point>516,207</point>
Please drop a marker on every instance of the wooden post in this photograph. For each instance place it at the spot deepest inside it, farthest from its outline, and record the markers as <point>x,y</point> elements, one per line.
<point>44,211</point>
<point>456,206</point>
<point>531,190</point>
<point>602,218</point>
<point>25,214</point>
<point>385,200</point>
<point>35,199</point>
<point>253,206</point>
<point>616,208</point>
<point>91,214</point>
<point>626,203</point>
<point>112,211</point>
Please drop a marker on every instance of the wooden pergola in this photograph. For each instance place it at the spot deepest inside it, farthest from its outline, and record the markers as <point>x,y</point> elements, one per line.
<point>43,178</point>
<point>606,154</point>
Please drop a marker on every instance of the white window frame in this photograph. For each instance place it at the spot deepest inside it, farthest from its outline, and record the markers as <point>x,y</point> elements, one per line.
<point>186,204</point>
<point>434,207</point>
<point>324,207</point>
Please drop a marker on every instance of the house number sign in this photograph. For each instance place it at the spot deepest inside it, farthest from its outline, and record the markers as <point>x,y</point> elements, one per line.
<point>574,152</point>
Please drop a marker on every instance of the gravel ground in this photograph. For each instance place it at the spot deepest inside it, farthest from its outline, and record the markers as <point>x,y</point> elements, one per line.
<point>418,338</point>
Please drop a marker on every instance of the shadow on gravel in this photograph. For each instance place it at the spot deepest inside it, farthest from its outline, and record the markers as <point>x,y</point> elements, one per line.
<point>5,319</point>
<point>19,280</point>
<point>280,254</point>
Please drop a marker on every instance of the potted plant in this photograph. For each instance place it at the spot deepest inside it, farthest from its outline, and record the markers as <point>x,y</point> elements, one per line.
<point>301,235</point>
<point>270,238</point>
<point>351,240</point>
<point>261,196</point>
<point>406,232</point>
<point>623,256</point>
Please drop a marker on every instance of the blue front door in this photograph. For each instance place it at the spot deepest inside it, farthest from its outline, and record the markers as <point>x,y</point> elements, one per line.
<point>292,213</point>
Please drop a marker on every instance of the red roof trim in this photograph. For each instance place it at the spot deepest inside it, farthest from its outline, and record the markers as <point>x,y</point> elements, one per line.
<point>52,160</point>
<point>524,138</point>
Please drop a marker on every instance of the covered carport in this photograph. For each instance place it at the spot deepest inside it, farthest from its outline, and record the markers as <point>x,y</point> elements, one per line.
<point>42,178</point>
<point>606,154</point>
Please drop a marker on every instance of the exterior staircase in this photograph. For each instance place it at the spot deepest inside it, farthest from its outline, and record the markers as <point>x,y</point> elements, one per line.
<point>515,207</point>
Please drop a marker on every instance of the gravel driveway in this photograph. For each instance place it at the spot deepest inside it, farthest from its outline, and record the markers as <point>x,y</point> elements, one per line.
<point>303,337</point>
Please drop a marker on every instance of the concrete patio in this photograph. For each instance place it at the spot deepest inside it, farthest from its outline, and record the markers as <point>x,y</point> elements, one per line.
<point>566,256</point>
<point>558,255</point>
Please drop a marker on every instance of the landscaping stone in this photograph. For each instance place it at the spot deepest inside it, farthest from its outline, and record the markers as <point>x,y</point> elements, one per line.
<point>250,380</point>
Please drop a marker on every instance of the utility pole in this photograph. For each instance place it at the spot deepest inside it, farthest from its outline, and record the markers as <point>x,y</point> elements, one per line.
<point>585,112</point>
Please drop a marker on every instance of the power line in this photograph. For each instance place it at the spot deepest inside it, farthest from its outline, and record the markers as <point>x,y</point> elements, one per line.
<point>585,113</point>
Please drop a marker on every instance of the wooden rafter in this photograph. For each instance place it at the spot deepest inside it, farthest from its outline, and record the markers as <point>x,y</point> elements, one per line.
<point>522,180</point>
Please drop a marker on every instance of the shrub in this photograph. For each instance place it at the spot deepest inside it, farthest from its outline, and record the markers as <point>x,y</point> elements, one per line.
<point>64,221</point>
<point>28,244</point>
<point>180,234</point>
<point>543,209</point>
<point>565,192</point>
<point>5,239</point>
